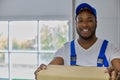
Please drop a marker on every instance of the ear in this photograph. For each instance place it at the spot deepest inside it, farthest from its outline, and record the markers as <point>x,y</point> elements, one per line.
<point>96,23</point>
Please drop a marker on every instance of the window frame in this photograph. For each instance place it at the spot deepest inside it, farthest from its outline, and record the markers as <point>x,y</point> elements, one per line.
<point>9,51</point>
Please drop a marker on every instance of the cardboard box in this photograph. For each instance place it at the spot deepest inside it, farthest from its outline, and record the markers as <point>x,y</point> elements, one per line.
<point>59,72</point>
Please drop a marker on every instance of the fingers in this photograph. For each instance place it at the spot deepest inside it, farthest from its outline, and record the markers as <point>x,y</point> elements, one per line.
<point>111,72</point>
<point>106,70</point>
<point>41,67</point>
<point>113,75</point>
<point>118,76</point>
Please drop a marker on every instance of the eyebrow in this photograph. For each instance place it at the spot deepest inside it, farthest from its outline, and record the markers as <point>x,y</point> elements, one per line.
<point>89,17</point>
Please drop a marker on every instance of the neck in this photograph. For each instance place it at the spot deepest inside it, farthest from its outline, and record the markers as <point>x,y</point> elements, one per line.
<point>87,43</point>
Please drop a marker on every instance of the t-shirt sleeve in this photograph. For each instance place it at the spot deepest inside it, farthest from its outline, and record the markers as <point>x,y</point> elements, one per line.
<point>60,52</point>
<point>115,53</point>
<point>64,52</point>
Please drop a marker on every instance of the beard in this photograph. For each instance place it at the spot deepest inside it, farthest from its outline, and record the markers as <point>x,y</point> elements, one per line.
<point>87,37</point>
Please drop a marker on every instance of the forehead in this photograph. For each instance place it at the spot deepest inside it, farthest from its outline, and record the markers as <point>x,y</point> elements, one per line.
<point>86,10</point>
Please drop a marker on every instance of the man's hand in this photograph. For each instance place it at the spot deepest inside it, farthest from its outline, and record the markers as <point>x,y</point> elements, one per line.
<point>41,67</point>
<point>114,74</point>
<point>118,76</point>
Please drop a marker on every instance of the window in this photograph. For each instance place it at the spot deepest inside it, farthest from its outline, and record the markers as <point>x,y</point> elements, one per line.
<point>24,45</point>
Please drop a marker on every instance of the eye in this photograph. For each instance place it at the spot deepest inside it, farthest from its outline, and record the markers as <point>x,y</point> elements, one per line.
<point>79,20</point>
<point>90,20</point>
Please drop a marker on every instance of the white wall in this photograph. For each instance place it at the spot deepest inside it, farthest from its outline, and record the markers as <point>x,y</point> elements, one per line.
<point>108,14</point>
<point>10,9</point>
<point>36,10</point>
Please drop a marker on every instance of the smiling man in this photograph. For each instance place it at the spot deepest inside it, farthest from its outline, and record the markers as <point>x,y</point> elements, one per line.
<point>88,49</point>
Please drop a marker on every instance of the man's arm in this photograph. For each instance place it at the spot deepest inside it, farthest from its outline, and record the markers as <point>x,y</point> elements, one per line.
<point>57,61</point>
<point>116,64</point>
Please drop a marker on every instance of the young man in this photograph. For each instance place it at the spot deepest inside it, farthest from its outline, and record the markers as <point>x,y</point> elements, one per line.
<point>87,50</point>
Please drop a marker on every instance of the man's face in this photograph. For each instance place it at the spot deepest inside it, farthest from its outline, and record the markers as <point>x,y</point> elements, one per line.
<point>86,25</point>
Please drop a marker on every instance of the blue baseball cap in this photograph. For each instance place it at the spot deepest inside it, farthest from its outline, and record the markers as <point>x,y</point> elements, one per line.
<point>85,5</point>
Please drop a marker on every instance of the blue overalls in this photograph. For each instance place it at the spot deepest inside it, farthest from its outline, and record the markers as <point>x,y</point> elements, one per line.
<point>101,61</point>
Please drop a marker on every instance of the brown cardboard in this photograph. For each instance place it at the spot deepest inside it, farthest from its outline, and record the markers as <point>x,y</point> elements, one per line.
<point>59,72</point>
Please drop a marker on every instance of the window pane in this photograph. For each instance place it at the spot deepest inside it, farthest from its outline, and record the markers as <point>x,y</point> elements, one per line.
<point>3,35</point>
<point>23,65</point>
<point>29,45</point>
<point>45,58</point>
<point>3,66</point>
<point>23,35</point>
<point>53,34</point>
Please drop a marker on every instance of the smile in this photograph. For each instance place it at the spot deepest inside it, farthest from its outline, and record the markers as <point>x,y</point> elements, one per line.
<point>85,30</point>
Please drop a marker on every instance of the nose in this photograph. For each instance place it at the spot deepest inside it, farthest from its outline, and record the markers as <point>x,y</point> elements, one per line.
<point>84,24</point>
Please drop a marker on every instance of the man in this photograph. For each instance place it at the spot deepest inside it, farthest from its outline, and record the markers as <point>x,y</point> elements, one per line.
<point>88,50</point>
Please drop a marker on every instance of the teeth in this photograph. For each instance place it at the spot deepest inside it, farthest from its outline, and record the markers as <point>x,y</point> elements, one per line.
<point>85,29</point>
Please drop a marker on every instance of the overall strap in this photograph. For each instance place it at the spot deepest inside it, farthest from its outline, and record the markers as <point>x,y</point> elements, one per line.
<point>102,60</point>
<point>73,53</point>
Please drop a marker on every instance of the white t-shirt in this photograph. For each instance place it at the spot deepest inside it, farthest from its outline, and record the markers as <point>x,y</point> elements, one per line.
<point>87,57</point>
